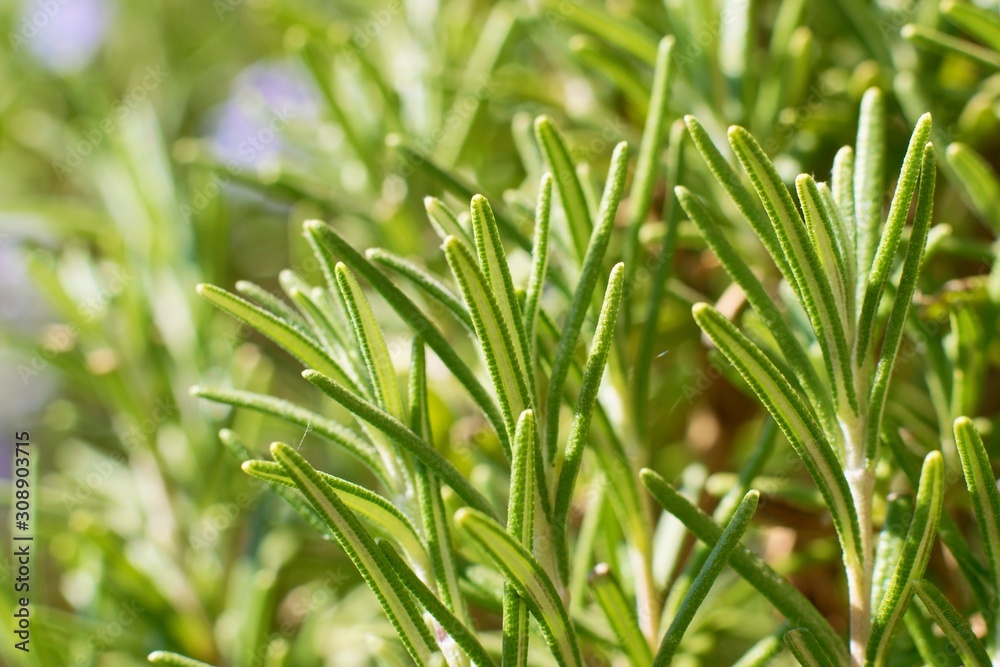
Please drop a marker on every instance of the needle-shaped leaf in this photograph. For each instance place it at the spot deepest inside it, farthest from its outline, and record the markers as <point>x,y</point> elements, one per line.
<point>913,559</point>
<point>436,521</point>
<point>641,194</point>
<point>979,182</point>
<point>360,547</point>
<point>534,586</point>
<point>493,262</point>
<point>294,414</point>
<point>285,334</point>
<point>571,195</point>
<point>842,185</point>
<point>979,22</point>
<point>239,451</point>
<point>457,629</point>
<point>321,320</point>
<point>583,295</point>
<point>445,222</point>
<point>806,649</point>
<point>403,436</point>
<point>328,242</point>
<point>951,622</point>
<point>430,285</point>
<point>272,303</point>
<point>717,559</point>
<point>369,337</point>
<point>730,181</point>
<point>783,595</point>
<point>759,300</point>
<point>580,430</point>
<point>620,614</point>
<point>539,266</point>
<point>899,209</point>
<point>901,303</point>
<point>808,276</point>
<point>939,42</point>
<point>381,513</point>
<point>763,652</point>
<point>985,499</point>
<point>890,545</point>
<point>520,525</point>
<point>825,231</point>
<point>794,418</point>
<point>174,660</point>
<point>499,348</point>
<point>869,181</point>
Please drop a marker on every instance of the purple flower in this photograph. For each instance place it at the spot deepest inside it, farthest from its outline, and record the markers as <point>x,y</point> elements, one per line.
<point>62,34</point>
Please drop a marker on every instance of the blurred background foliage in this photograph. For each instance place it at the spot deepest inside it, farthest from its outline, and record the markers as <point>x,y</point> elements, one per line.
<point>150,146</point>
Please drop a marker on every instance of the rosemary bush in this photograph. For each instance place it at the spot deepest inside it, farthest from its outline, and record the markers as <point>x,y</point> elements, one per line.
<point>548,418</point>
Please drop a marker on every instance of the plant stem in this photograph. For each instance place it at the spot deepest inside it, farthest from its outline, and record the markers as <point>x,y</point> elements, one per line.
<point>861,480</point>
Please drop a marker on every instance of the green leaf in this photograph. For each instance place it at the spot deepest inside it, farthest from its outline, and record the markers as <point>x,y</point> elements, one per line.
<point>432,511</point>
<point>809,279</point>
<point>567,182</point>
<point>529,579</point>
<point>939,42</point>
<point>463,636</point>
<point>430,285</point>
<point>360,547</point>
<point>913,559</point>
<point>580,430</point>
<point>806,649</point>
<point>890,544</point>
<point>869,181</point>
<point>721,552</point>
<point>239,451</point>
<point>985,500</point>
<point>285,334</point>
<point>520,525</point>
<point>979,182</point>
<point>641,194</point>
<point>378,511</point>
<point>371,340</point>
<point>174,660</point>
<point>539,267</point>
<point>955,628</point>
<point>794,418</point>
<point>328,242</point>
<point>843,196</point>
<point>901,302</point>
<point>759,300</point>
<point>899,210</point>
<point>499,349</point>
<point>730,181</point>
<point>763,652</point>
<point>981,23</point>
<point>620,614</point>
<point>445,222</point>
<point>270,302</point>
<point>294,414</point>
<point>493,262</point>
<point>783,595</point>
<point>404,437</point>
<point>583,295</point>
<point>825,232</point>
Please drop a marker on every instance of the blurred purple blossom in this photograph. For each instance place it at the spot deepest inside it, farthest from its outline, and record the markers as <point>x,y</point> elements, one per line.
<point>265,97</point>
<point>62,34</point>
